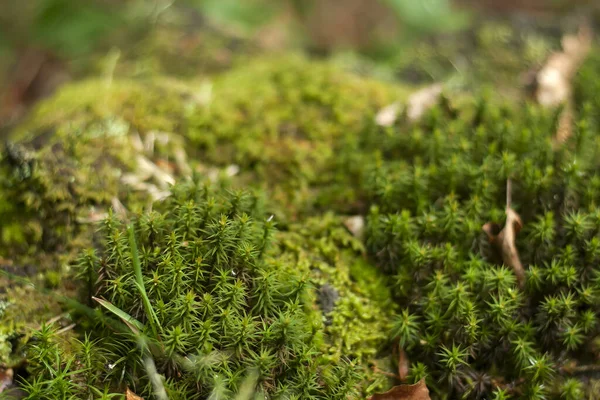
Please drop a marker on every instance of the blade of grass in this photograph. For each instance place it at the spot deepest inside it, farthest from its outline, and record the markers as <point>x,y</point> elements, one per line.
<point>139,282</point>
<point>133,324</point>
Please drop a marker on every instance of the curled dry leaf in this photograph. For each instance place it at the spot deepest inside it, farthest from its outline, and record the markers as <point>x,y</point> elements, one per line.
<point>118,207</point>
<point>505,242</point>
<point>554,79</point>
<point>388,114</point>
<point>356,225</point>
<point>403,364</point>
<point>418,103</point>
<point>418,391</point>
<point>564,129</point>
<point>129,395</point>
<point>6,379</point>
<point>422,100</point>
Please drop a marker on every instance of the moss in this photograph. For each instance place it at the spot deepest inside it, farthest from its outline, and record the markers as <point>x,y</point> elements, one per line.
<point>213,292</point>
<point>350,298</point>
<point>431,284</point>
<point>65,162</point>
<point>467,322</point>
<point>292,124</point>
<point>24,308</point>
<point>63,168</point>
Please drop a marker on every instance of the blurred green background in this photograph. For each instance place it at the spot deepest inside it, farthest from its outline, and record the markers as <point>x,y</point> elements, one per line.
<point>44,43</point>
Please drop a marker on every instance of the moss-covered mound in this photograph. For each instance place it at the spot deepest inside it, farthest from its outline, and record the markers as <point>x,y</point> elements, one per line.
<point>289,123</point>
<point>214,304</point>
<point>294,125</point>
<point>481,318</point>
<point>66,164</point>
<point>485,230</point>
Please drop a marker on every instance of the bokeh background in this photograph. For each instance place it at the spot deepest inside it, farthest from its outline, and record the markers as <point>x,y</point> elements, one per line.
<point>45,43</point>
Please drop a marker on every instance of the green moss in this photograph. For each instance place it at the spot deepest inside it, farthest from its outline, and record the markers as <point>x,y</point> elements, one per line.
<point>213,292</point>
<point>495,54</point>
<point>292,124</point>
<point>352,302</point>
<point>65,163</point>
<point>314,304</point>
<point>466,319</point>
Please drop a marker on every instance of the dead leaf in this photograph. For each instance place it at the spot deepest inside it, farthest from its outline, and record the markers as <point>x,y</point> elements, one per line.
<point>388,115</point>
<point>129,395</point>
<point>6,379</point>
<point>564,129</point>
<point>554,79</point>
<point>505,239</point>
<point>403,364</point>
<point>422,100</point>
<point>418,391</point>
<point>356,225</point>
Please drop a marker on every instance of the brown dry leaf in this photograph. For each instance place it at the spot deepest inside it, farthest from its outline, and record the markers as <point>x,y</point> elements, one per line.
<point>388,114</point>
<point>403,364</point>
<point>418,391</point>
<point>422,100</point>
<point>129,395</point>
<point>505,240</point>
<point>564,130</point>
<point>554,79</point>
<point>6,379</point>
<point>356,225</point>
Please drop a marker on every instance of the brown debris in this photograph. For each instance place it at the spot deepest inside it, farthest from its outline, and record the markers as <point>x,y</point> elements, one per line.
<point>129,395</point>
<point>564,129</point>
<point>554,79</point>
<point>423,100</point>
<point>388,114</point>
<point>403,364</point>
<point>6,379</point>
<point>418,391</point>
<point>36,75</point>
<point>505,239</point>
<point>356,225</point>
<point>416,106</point>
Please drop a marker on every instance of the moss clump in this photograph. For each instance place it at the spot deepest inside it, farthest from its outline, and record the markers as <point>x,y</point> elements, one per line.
<point>293,124</point>
<point>217,306</point>
<point>466,322</point>
<point>65,164</point>
<point>354,301</point>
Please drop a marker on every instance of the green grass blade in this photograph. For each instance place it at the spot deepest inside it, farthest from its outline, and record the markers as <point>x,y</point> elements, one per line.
<point>151,315</point>
<point>133,324</point>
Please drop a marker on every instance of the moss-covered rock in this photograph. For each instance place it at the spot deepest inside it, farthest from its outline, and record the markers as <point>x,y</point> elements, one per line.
<point>66,163</point>
<point>294,125</point>
<point>64,167</point>
<point>105,143</point>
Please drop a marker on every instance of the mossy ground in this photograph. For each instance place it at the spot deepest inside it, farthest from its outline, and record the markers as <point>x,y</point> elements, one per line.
<point>302,135</point>
<point>78,146</point>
